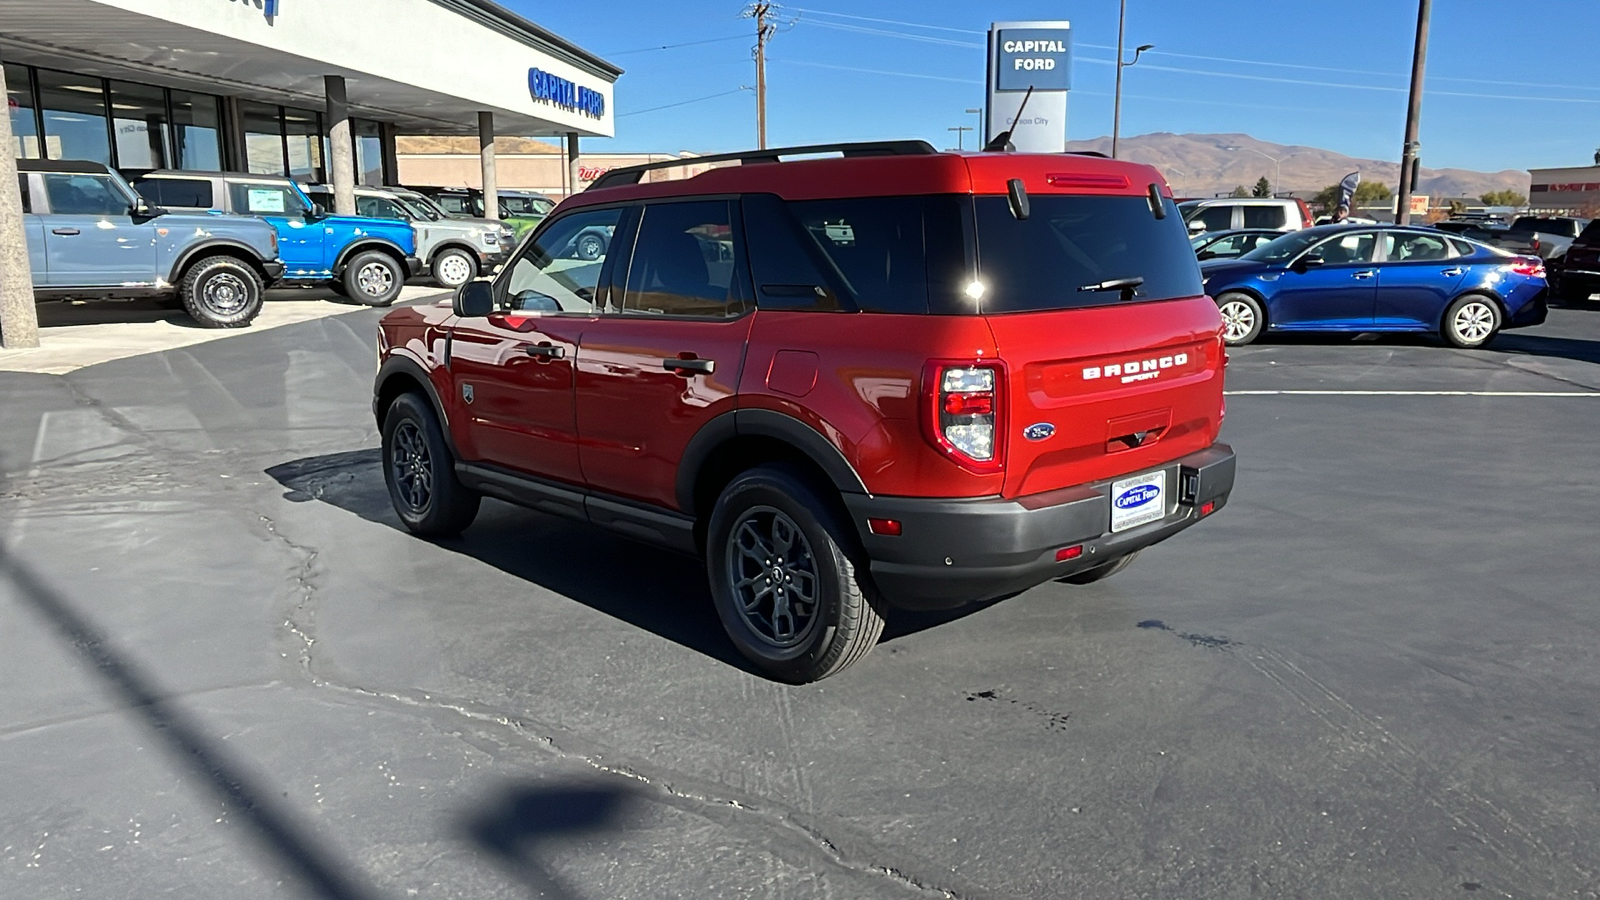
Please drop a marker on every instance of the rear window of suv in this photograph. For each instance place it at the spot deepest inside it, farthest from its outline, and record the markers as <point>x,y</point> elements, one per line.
<point>1069,244</point>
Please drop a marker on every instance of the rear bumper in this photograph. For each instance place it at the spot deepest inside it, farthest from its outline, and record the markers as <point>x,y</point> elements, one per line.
<point>1533,312</point>
<point>954,552</point>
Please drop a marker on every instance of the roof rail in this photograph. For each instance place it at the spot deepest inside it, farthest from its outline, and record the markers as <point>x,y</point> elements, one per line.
<point>635,174</point>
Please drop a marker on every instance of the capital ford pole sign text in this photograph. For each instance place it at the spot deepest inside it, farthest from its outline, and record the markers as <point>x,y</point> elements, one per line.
<point>1024,55</point>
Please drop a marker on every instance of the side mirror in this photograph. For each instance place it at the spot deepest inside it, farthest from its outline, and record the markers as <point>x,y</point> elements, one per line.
<point>144,209</point>
<point>474,300</point>
<point>1204,255</point>
<point>1309,261</point>
<point>1196,226</point>
<point>318,211</point>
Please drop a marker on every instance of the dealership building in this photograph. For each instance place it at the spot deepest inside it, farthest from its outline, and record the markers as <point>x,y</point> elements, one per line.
<point>315,89</point>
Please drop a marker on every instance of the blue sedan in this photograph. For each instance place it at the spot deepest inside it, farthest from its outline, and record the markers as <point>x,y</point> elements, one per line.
<point>1363,278</point>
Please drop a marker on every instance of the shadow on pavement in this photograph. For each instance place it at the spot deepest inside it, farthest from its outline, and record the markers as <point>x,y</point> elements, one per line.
<point>521,817</point>
<point>1524,344</point>
<point>657,590</point>
<point>298,850</point>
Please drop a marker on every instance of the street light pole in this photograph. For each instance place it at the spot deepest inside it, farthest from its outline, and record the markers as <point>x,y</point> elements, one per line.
<point>1116,112</point>
<point>961,134</point>
<point>983,135</point>
<point>1408,153</point>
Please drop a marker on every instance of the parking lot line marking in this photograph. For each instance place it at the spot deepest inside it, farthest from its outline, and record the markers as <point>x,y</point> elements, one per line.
<point>1412,393</point>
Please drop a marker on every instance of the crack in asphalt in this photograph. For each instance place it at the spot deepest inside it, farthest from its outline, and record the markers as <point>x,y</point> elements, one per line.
<point>300,619</point>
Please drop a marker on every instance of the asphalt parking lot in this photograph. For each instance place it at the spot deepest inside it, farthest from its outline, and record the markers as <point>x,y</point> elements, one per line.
<point>226,672</point>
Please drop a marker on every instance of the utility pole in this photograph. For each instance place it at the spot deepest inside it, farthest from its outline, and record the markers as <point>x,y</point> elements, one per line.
<point>19,317</point>
<point>760,11</point>
<point>1116,113</point>
<point>1408,153</point>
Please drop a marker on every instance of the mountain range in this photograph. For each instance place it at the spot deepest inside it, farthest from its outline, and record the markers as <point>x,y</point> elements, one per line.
<point>1201,165</point>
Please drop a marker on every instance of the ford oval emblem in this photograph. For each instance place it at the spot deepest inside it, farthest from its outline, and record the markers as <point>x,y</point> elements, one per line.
<point>1039,432</point>
<point>1138,496</point>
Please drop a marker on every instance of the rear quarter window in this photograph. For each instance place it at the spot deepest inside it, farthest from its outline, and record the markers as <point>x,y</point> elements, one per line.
<point>177,193</point>
<point>1265,217</point>
<point>1067,245</point>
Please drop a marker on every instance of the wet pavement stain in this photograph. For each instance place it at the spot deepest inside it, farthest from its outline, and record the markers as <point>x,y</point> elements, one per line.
<point>1053,721</point>
<point>1199,640</point>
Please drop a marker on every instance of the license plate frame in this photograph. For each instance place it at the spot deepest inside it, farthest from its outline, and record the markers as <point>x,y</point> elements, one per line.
<point>1133,503</point>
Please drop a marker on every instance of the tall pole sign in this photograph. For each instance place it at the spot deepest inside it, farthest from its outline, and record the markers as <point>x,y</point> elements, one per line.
<point>1025,55</point>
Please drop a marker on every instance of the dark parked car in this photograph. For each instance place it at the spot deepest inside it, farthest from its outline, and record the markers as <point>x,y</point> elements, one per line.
<point>1231,244</point>
<point>1360,278</point>
<point>1580,273</point>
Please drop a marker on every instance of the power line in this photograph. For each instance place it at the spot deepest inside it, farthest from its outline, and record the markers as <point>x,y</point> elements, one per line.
<point>683,102</point>
<point>734,37</point>
<point>904,35</point>
<point>819,12</point>
<point>817,65</point>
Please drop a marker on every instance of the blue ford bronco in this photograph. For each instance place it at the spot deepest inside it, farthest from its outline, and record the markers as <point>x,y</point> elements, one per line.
<point>367,260</point>
<point>91,236</point>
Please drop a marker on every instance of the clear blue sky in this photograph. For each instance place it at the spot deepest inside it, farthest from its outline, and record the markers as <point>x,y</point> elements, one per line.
<point>1509,85</point>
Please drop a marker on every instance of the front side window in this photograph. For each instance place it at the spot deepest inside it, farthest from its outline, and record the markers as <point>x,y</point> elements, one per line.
<point>266,199</point>
<point>560,272</point>
<point>686,262</point>
<point>1347,249</point>
<point>455,204</point>
<point>1076,251</point>
<point>1408,247</point>
<point>378,208</point>
<point>84,195</point>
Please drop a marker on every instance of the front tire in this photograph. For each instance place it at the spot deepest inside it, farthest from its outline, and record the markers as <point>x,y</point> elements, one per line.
<point>222,292</point>
<point>784,585</point>
<point>454,267</point>
<point>1243,318</point>
<point>373,278</point>
<point>420,471</point>
<point>1471,321</point>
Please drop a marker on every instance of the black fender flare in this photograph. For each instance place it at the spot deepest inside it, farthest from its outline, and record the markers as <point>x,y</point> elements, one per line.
<point>209,246</point>
<point>404,366</point>
<point>763,423</point>
<point>365,244</point>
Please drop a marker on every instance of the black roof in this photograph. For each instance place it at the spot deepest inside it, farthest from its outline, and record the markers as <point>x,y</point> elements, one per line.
<point>74,166</point>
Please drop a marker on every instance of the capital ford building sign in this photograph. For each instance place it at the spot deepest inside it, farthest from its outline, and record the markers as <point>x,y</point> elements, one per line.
<point>565,94</point>
<point>1025,55</point>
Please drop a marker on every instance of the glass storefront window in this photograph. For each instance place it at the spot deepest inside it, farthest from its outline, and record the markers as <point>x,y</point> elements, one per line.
<point>74,117</point>
<point>263,139</point>
<point>197,132</point>
<point>304,131</point>
<point>368,142</point>
<point>19,99</point>
<point>139,117</point>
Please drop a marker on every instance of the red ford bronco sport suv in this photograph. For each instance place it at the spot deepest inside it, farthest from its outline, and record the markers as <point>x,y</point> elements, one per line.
<point>890,378</point>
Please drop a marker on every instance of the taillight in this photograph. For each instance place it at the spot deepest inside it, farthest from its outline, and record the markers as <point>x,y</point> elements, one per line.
<point>1528,267</point>
<point>965,412</point>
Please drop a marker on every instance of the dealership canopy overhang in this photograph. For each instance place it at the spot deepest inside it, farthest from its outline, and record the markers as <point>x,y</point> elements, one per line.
<point>426,66</point>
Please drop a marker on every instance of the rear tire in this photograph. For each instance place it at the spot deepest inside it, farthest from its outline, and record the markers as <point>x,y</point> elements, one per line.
<point>1102,571</point>
<point>373,278</point>
<point>222,292</point>
<point>1471,321</point>
<point>1243,318</point>
<point>421,472</point>
<point>784,584</point>
<point>454,267</point>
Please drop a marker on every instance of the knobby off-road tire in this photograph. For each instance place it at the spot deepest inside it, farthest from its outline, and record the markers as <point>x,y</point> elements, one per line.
<point>222,292</point>
<point>1102,571</point>
<point>1243,318</point>
<point>784,580</point>
<point>1471,321</point>
<point>421,473</point>
<point>373,278</point>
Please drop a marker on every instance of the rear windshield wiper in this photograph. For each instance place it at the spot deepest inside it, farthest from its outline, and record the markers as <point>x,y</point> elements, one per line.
<point>1128,286</point>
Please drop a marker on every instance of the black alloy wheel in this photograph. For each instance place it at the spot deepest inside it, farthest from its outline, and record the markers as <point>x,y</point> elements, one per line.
<point>774,577</point>
<point>419,471</point>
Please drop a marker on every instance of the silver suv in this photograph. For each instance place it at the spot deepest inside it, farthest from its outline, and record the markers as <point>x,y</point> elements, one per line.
<point>1234,213</point>
<point>453,251</point>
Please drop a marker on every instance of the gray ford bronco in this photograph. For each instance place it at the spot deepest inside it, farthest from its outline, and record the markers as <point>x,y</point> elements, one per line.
<point>91,236</point>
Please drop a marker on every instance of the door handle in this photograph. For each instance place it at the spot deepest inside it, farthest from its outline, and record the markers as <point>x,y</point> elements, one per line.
<point>1365,274</point>
<point>687,367</point>
<point>65,231</point>
<point>1452,271</point>
<point>547,351</point>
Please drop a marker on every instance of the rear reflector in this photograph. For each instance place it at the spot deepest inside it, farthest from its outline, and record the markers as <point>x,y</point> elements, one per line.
<point>1066,553</point>
<point>886,527</point>
<point>1208,508</point>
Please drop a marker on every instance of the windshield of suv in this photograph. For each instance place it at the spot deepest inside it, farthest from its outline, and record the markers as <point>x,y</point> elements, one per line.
<point>1285,248</point>
<point>1076,251</point>
<point>412,204</point>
